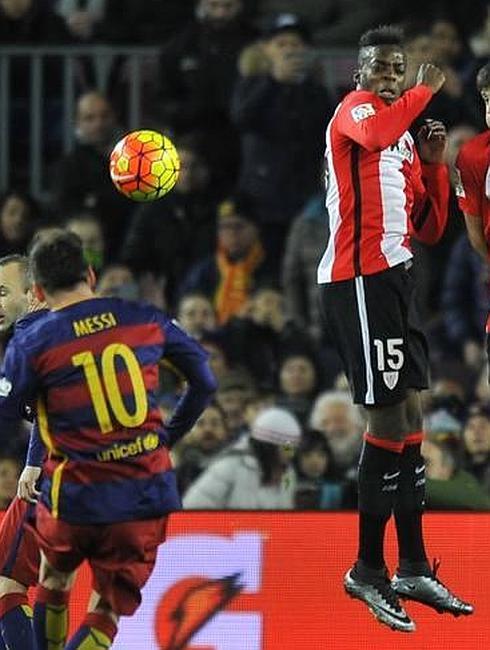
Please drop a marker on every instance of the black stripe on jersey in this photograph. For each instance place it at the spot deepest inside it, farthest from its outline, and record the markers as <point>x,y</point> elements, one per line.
<point>421,218</point>
<point>356,185</point>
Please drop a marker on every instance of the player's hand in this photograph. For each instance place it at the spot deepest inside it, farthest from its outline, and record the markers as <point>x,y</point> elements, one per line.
<point>26,487</point>
<point>430,75</point>
<point>432,141</point>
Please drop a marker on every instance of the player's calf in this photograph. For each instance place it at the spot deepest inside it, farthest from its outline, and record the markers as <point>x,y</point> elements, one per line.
<point>15,616</point>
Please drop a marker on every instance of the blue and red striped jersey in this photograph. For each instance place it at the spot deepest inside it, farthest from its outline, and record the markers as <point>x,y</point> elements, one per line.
<point>92,368</point>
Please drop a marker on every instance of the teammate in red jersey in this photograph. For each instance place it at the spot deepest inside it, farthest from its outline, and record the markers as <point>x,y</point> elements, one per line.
<point>473,166</point>
<point>379,193</point>
<point>108,483</point>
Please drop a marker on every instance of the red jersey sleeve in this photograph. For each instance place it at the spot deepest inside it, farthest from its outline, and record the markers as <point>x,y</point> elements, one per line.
<point>431,200</point>
<point>364,118</point>
<point>469,183</point>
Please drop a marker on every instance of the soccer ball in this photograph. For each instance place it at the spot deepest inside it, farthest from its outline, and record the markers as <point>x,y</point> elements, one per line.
<point>144,165</point>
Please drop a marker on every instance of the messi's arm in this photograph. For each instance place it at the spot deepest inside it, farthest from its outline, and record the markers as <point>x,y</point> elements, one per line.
<point>375,127</point>
<point>191,361</point>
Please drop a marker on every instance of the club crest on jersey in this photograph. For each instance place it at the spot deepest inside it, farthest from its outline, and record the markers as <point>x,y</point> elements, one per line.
<point>391,379</point>
<point>5,387</point>
<point>362,111</point>
<point>402,148</point>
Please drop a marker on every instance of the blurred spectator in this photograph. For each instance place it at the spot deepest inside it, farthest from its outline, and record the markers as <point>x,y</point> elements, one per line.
<point>298,383</point>
<point>282,118</point>
<point>235,389</point>
<point>150,22</point>
<point>448,487</point>
<point>450,104</point>
<point>89,228</point>
<point>14,288</point>
<point>476,440</point>
<point>201,445</point>
<point>198,72</point>
<point>19,213</point>
<point>318,487</point>
<point>256,473</point>
<point>82,181</point>
<point>82,17</point>
<point>334,414</point>
<point>305,244</point>
<point>464,302</point>
<point>480,40</point>
<point>9,474</point>
<point>26,22</point>
<point>346,19</point>
<point>168,236</point>
<point>258,337</point>
<point>118,281</point>
<point>217,355</point>
<point>195,314</point>
<point>239,263</point>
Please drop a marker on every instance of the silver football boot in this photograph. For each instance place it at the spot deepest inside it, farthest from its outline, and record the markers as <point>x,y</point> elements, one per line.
<point>429,590</point>
<point>379,596</point>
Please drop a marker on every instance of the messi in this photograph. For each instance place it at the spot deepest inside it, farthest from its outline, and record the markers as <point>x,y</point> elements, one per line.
<point>94,324</point>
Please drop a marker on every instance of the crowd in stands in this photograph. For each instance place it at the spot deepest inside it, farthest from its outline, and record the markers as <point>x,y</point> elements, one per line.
<point>232,251</point>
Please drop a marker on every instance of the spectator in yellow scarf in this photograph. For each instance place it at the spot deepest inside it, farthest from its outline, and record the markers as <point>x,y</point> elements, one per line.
<point>238,264</point>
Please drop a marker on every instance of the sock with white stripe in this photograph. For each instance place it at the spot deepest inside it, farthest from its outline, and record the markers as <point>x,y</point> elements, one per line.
<point>378,481</point>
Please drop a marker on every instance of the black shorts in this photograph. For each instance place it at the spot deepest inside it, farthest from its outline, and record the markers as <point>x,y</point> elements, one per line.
<point>372,322</point>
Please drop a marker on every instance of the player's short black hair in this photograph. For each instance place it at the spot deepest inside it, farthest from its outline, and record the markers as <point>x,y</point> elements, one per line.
<point>57,261</point>
<point>483,77</point>
<point>382,35</point>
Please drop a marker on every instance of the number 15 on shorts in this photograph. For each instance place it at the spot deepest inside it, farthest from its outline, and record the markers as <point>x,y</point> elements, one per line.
<point>389,359</point>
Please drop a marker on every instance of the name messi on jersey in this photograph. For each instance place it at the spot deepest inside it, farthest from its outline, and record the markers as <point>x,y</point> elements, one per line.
<point>93,324</point>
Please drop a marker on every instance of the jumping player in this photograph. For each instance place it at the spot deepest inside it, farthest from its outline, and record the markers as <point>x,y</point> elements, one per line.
<point>473,189</point>
<point>108,484</point>
<point>19,557</point>
<point>379,192</point>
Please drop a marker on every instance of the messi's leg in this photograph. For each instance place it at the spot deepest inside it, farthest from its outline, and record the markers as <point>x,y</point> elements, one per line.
<point>51,607</point>
<point>414,579</point>
<point>99,628</point>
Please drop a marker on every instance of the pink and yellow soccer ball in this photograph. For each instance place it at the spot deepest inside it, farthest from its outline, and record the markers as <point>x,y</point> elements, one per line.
<point>144,165</point>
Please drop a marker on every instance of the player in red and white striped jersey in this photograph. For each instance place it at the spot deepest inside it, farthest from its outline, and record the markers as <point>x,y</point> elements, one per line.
<point>473,187</point>
<point>381,189</point>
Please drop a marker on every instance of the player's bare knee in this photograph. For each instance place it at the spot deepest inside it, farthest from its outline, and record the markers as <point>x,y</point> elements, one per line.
<point>97,605</point>
<point>388,421</point>
<point>9,586</point>
<point>51,578</point>
<point>414,411</point>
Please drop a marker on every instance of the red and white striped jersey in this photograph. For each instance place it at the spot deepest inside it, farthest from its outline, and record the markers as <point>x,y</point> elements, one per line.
<point>378,191</point>
<point>473,189</point>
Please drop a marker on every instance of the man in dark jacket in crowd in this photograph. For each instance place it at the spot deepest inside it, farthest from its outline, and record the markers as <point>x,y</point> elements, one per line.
<point>82,179</point>
<point>198,71</point>
<point>282,117</point>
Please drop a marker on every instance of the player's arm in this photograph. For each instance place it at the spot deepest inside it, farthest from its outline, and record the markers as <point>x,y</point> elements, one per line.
<point>430,180</point>
<point>476,235</point>
<point>376,126</point>
<point>191,361</point>
<point>468,190</point>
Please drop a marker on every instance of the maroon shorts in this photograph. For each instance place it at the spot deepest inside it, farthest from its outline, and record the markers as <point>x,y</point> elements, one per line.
<point>122,556</point>
<point>19,550</point>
